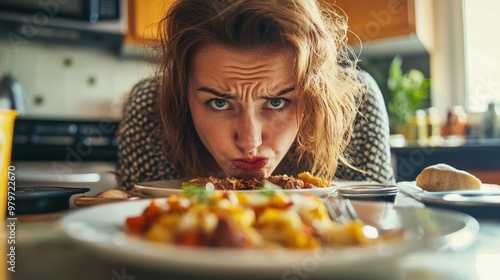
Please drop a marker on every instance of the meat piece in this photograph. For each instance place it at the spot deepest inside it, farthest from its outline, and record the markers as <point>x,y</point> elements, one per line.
<point>228,183</point>
<point>289,182</point>
<point>233,183</point>
<point>227,234</point>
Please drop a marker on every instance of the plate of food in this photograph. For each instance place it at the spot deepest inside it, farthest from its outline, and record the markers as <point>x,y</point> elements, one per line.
<point>267,235</point>
<point>304,183</point>
<point>444,186</point>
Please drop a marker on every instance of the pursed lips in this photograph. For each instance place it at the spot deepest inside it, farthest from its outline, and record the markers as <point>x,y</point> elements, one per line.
<point>250,163</point>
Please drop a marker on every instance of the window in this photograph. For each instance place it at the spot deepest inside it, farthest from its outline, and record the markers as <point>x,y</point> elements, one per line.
<point>482,53</point>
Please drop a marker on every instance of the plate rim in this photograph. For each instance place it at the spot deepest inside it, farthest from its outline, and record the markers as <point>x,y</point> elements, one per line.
<point>142,188</point>
<point>149,258</point>
<point>410,188</point>
<point>438,198</point>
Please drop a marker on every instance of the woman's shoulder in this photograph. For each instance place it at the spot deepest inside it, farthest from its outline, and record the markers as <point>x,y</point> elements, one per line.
<point>142,98</point>
<point>145,86</point>
<point>371,93</point>
<point>143,92</point>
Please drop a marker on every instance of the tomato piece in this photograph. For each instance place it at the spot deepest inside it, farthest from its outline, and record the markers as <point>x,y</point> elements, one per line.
<point>190,238</point>
<point>151,213</point>
<point>285,205</point>
<point>136,224</point>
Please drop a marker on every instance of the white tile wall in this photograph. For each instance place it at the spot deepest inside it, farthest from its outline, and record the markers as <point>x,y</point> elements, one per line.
<point>92,85</point>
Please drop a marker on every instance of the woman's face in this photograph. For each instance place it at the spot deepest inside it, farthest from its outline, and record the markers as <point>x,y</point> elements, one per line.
<point>244,107</point>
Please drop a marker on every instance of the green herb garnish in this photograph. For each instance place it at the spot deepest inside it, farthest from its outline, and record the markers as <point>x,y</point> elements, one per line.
<point>267,192</point>
<point>200,192</point>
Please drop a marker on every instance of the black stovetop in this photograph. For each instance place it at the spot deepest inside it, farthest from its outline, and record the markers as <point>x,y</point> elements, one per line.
<point>66,140</point>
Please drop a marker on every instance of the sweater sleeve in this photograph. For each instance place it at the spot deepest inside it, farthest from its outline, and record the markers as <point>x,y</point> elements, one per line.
<point>369,146</point>
<point>140,158</point>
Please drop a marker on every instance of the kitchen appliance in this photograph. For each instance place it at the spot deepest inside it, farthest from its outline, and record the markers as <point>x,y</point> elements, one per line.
<point>97,23</point>
<point>65,153</point>
<point>38,200</point>
<point>86,10</point>
<point>11,94</point>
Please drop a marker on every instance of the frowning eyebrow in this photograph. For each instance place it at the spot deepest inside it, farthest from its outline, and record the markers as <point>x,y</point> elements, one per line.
<point>231,96</point>
<point>216,93</point>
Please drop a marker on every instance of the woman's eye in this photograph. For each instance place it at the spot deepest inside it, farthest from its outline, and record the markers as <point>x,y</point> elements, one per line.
<point>276,103</point>
<point>219,104</point>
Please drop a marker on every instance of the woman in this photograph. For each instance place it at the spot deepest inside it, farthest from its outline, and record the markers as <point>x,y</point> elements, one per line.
<point>251,88</point>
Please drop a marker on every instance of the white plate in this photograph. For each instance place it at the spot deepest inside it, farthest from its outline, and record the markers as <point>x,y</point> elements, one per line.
<point>165,188</point>
<point>411,189</point>
<point>100,229</point>
<point>481,204</point>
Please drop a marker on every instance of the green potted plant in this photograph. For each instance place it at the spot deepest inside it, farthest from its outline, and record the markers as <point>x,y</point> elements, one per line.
<point>408,93</point>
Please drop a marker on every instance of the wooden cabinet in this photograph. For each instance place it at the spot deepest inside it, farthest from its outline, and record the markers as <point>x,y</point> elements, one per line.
<point>143,19</point>
<point>370,20</point>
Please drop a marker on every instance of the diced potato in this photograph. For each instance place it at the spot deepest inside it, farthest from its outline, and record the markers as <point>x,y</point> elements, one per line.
<point>317,181</point>
<point>159,233</point>
<point>279,200</point>
<point>242,217</point>
<point>313,210</point>
<point>284,227</point>
<point>208,221</point>
<point>341,235</point>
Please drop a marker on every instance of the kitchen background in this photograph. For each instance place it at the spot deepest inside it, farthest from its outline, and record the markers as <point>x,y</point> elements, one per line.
<point>64,78</point>
<point>77,74</point>
<point>89,78</point>
<point>91,82</point>
<point>69,82</point>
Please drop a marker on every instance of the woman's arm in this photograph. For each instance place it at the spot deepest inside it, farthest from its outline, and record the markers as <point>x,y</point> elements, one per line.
<point>369,146</point>
<point>140,158</point>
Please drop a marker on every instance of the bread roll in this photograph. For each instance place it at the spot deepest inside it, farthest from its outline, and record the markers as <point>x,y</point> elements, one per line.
<point>112,193</point>
<point>442,177</point>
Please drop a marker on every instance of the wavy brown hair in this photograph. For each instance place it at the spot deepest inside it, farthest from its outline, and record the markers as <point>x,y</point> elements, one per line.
<point>324,73</point>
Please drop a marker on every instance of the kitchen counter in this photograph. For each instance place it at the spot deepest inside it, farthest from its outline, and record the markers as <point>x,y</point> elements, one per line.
<point>97,176</point>
<point>477,156</point>
<point>65,152</point>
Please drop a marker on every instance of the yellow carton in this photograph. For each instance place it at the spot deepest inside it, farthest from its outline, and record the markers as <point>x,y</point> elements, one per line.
<point>7,119</point>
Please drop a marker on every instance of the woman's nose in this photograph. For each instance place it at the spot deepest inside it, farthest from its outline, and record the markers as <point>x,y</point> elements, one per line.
<point>249,134</point>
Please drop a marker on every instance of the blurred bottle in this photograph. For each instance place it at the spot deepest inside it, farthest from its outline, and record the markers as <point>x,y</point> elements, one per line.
<point>491,122</point>
<point>433,126</point>
<point>418,128</point>
<point>11,94</point>
<point>456,122</point>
